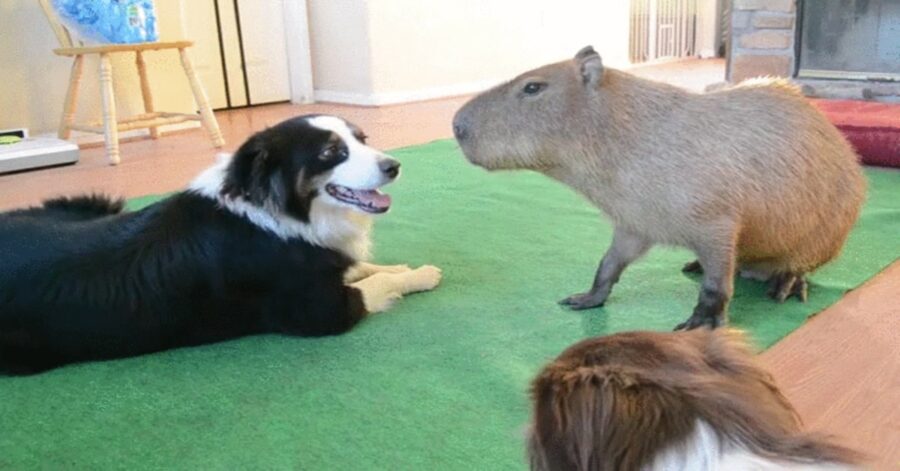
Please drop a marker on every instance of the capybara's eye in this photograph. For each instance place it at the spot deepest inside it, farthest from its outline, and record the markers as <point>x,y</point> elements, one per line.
<point>533,88</point>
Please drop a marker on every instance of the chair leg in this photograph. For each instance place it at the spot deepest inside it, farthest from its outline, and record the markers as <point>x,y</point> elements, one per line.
<point>145,90</point>
<point>206,114</point>
<point>71,103</point>
<point>110,124</point>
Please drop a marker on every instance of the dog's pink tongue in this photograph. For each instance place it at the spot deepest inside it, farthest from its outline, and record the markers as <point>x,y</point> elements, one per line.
<point>375,199</point>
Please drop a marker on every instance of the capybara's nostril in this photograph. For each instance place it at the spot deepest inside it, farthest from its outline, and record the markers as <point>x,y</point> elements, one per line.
<point>460,127</point>
<point>390,167</point>
<point>460,131</point>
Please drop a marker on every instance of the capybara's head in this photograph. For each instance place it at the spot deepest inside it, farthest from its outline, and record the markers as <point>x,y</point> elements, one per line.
<point>651,400</point>
<point>533,120</point>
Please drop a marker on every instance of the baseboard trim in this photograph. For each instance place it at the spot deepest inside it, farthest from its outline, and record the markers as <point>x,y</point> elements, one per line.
<point>393,98</point>
<point>707,53</point>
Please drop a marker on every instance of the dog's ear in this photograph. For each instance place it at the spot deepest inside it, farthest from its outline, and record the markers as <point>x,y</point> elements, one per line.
<point>254,174</point>
<point>597,417</point>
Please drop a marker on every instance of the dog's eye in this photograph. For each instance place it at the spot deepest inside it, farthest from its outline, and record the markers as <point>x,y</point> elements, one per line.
<point>533,88</point>
<point>330,153</point>
<point>361,137</point>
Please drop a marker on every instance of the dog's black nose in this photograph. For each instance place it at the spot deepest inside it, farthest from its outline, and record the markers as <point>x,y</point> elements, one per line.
<point>390,167</point>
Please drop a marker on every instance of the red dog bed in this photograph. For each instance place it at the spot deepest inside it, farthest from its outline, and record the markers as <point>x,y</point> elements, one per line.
<point>873,128</point>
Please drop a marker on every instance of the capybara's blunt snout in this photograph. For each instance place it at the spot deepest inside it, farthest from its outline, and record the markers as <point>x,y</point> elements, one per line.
<point>464,131</point>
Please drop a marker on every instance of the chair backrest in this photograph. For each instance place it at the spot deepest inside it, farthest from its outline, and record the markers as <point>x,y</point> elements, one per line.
<point>59,29</point>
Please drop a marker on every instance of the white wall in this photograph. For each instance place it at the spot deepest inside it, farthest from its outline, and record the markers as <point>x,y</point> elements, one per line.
<point>389,51</point>
<point>341,48</point>
<point>708,34</point>
<point>34,80</point>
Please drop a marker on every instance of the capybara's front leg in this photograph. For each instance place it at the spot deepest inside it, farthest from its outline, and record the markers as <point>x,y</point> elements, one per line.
<point>717,261</point>
<point>626,248</point>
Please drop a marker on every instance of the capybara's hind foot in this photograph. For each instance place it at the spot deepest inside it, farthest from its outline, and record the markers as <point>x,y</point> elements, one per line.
<point>692,267</point>
<point>785,285</point>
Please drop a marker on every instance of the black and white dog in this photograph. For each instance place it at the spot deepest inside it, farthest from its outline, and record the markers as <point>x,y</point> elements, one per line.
<point>273,239</point>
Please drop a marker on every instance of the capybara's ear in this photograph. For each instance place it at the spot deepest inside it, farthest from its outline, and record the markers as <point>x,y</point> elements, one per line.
<point>591,66</point>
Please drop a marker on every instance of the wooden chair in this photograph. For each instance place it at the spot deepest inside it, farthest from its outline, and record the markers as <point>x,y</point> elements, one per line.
<point>150,119</point>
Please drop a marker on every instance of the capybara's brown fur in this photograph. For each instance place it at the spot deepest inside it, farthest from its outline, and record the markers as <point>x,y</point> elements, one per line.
<point>750,177</point>
<point>660,401</point>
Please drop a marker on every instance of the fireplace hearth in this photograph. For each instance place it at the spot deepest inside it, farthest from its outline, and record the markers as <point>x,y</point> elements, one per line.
<point>835,48</point>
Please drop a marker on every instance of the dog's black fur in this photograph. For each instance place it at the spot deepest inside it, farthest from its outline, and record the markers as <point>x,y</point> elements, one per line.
<point>83,280</point>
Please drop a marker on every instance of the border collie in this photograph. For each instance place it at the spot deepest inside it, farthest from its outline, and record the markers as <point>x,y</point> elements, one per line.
<point>665,402</point>
<point>270,240</point>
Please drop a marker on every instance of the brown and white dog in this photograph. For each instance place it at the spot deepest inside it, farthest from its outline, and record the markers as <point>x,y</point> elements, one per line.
<point>669,401</point>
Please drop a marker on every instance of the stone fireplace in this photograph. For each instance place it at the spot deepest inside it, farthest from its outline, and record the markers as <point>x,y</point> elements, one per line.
<point>834,48</point>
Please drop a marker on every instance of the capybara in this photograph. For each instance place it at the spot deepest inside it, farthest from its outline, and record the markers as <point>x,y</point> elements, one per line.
<point>751,177</point>
<point>669,401</point>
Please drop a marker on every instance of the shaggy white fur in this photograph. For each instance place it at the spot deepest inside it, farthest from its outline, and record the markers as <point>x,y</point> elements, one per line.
<point>331,225</point>
<point>705,450</point>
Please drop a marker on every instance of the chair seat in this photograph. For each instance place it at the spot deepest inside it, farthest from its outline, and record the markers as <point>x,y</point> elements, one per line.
<point>108,48</point>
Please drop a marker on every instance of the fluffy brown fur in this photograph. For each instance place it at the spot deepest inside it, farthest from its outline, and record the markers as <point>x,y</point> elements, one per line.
<point>618,402</point>
<point>750,177</point>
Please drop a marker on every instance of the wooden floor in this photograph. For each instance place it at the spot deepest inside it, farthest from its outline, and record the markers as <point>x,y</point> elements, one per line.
<point>841,369</point>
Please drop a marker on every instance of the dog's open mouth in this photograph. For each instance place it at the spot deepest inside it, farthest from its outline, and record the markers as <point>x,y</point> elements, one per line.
<point>370,201</point>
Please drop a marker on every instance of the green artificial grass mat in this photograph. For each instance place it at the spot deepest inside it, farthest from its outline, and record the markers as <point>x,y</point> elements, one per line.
<point>439,382</point>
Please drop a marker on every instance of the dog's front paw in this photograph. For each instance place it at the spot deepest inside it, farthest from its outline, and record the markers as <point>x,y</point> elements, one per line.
<point>424,278</point>
<point>380,301</point>
<point>394,268</point>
